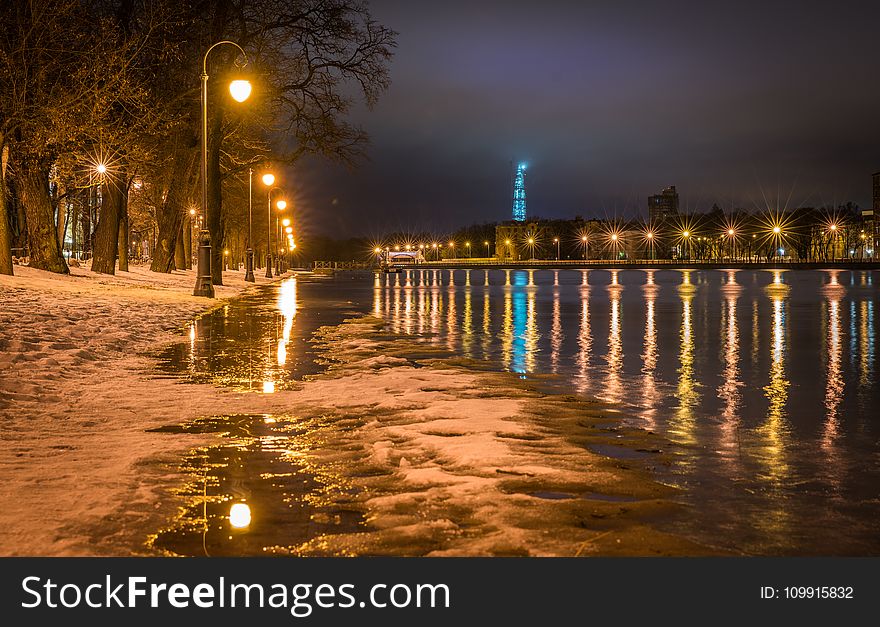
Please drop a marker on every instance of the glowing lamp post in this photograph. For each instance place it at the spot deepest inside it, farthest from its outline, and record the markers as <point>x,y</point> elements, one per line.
<point>486,244</point>
<point>586,243</point>
<point>240,90</point>
<point>556,241</point>
<point>281,205</point>
<point>650,236</point>
<point>268,180</point>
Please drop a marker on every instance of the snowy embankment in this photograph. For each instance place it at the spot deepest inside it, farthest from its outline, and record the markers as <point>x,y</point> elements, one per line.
<point>76,397</point>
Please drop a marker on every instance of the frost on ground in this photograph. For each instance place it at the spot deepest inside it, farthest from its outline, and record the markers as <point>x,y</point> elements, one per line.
<point>447,460</point>
<point>76,396</point>
<point>440,458</point>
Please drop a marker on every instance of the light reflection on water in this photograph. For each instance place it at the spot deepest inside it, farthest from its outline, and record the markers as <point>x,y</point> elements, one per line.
<point>746,370</point>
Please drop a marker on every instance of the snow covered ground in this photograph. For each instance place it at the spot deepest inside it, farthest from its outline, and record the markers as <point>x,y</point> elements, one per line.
<point>76,396</point>
<point>445,459</point>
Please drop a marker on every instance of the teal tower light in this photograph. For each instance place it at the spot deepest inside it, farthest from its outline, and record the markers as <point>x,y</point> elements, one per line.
<point>519,194</point>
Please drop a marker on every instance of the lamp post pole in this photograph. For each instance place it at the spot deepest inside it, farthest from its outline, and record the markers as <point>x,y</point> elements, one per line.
<point>204,279</point>
<point>269,236</point>
<point>249,253</point>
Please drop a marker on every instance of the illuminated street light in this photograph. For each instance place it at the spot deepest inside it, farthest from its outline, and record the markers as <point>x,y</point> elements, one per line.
<point>268,180</point>
<point>240,90</point>
<point>101,168</point>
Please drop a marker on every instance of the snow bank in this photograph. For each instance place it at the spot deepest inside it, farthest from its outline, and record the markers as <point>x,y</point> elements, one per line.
<point>76,396</point>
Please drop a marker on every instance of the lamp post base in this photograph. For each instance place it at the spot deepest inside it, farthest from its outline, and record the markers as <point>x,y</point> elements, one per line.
<point>249,266</point>
<point>204,284</point>
<point>269,266</point>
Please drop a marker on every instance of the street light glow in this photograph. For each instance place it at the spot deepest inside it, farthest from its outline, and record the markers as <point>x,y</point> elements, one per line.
<point>101,168</point>
<point>285,222</point>
<point>281,204</point>
<point>240,90</point>
<point>268,178</point>
<point>288,229</point>
<point>686,234</point>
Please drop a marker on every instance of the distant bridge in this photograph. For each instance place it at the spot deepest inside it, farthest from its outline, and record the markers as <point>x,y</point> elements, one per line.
<point>342,265</point>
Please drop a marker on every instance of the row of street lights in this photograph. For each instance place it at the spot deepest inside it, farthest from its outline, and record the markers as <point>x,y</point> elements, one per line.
<point>240,90</point>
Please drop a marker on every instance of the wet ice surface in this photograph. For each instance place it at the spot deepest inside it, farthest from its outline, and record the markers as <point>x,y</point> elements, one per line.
<point>262,341</point>
<point>263,465</point>
<point>764,382</point>
<point>761,385</point>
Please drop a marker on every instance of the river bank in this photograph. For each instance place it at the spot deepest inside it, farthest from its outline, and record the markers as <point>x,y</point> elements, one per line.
<point>435,457</point>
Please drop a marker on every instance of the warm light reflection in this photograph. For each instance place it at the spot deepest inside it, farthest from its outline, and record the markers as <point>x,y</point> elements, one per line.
<point>240,515</point>
<point>585,338</point>
<point>834,382</point>
<point>287,305</point>
<point>774,429</point>
<point>729,390</point>
<point>649,354</point>
<point>683,423</point>
<point>268,387</point>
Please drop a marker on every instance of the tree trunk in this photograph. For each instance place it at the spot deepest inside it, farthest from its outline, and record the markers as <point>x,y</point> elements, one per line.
<point>107,232</point>
<point>169,218</point>
<point>5,227</point>
<point>179,250</point>
<point>122,253</point>
<point>32,181</point>
<point>187,239</point>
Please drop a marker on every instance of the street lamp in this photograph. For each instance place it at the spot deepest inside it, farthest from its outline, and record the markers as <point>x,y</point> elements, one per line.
<point>468,246</point>
<point>280,205</point>
<point>650,236</point>
<point>240,90</point>
<point>556,241</point>
<point>486,244</point>
<point>268,180</point>
<point>586,245</point>
<point>249,252</point>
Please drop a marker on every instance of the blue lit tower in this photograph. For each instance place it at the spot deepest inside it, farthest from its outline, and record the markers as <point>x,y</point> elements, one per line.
<point>519,194</point>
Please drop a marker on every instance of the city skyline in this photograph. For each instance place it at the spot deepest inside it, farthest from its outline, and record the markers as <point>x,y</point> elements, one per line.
<point>745,106</point>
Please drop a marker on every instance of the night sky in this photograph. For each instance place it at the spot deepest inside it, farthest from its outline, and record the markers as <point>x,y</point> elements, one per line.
<point>737,103</point>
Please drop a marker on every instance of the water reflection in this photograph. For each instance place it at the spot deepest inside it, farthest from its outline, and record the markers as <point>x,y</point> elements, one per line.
<point>649,354</point>
<point>729,390</point>
<point>614,357</point>
<point>776,391</point>
<point>683,423</point>
<point>711,359</point>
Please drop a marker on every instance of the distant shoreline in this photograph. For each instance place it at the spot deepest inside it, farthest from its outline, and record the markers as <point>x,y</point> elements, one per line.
<point>541,264</point>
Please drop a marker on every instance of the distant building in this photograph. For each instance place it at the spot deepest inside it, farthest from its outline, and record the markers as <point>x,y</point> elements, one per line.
<point>663,206</point>
<point>876,205</point>
<point>519,194</point>
<point>871,224</point>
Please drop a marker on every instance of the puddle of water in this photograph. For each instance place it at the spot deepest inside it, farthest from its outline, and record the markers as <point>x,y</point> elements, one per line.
<point>617,452</point>
<point>261,465</point>
<point>262,341</point>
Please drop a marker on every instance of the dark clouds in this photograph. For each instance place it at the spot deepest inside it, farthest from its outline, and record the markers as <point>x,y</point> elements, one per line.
<point>608,102</point>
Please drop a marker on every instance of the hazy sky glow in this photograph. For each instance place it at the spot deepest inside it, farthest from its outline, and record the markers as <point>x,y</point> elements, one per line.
<point>608,102</point>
